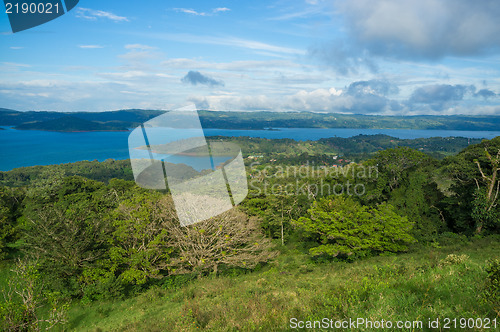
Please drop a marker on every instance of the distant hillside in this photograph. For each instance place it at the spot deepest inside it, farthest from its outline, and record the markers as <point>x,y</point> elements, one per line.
<point>118,119</point>
<point>70,124</point>
<point>261,120</point>
<point>360,147</point>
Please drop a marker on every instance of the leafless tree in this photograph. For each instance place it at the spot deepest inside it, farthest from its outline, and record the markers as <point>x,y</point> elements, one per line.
<point>26,287</point>
<point>231,239</point>
<point>492,182</point>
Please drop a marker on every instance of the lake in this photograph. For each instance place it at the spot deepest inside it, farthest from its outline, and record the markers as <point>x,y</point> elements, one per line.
<point>28,148</point>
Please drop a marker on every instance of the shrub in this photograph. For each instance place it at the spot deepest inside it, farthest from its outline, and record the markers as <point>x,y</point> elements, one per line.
<point>453,259</point>
<point>492,292</point>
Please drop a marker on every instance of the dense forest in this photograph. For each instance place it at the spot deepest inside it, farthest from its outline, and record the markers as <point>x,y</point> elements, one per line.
<point>371,226</point>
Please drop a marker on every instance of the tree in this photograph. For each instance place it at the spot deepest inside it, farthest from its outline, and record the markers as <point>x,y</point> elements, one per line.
<point>231,239</point>
<point>418,198</point>
<point>71,233</point>
<point>10,210</point>
<point>474,205</point>
<point>19,310</point>
<point>394,164</point>
<point>277,211</point>
<point>346,228</point>
<point>141,248</point>
<point>485,200</point>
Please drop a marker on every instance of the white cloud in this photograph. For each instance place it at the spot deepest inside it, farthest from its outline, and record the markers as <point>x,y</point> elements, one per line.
<point>15,64</point>
<point>224,41</point>
<point>91,14</point>
<point>90,46</point>
<point>189,11</point>
<point>238,66</point>
<point>16,47</point>
<point>221,9</point>
<point>138,53</point>
<point>197,13</point>
<point>429,29</point>
<point>139,47</point>
<point>328,100</point>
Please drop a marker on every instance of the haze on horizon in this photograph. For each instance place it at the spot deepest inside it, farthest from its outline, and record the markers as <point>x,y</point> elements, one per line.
<point>390,57</point>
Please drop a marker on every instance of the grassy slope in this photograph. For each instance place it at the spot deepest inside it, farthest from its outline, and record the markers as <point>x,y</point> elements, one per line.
<point>410,286</point>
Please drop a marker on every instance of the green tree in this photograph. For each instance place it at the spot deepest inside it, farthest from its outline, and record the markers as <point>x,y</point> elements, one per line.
<point>393,165</point>
<point>345,228</point>
<point>69,232</point>
<point>19,309</point>
<point>10,210</point>
<point>276,212</point>
<point>419,199</point>
<point>476,185</point>
<point>140,245</point>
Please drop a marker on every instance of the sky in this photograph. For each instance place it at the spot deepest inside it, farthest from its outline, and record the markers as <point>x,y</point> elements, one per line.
<point>390,57</point>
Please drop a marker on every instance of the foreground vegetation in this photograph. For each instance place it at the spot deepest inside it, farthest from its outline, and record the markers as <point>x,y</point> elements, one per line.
<point>446,280</point>
<point>398,236</point>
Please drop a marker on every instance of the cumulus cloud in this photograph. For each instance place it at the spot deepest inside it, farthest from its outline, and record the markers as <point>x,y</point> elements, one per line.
<point>485,93</point>
<point>428,29</point>
<point>370,97</point>
<point>364,97</point>
<point>360,97</point>
<point>439,96</point>
<point>375,87</point>
<point>195,77</point>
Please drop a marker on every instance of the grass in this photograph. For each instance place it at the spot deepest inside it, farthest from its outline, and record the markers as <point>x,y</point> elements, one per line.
<point>417,286</point>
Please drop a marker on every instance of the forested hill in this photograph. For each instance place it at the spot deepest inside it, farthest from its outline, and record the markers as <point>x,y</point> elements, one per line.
<point>71,124</point>
<point>76,121</point>
<point>258,120</point>
<point>262,120</point>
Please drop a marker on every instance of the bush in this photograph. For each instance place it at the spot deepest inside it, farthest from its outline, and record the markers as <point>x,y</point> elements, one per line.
<point>24,296</point>
<point>492,292</point>
<point>453,259</point>
<point>449,238</point>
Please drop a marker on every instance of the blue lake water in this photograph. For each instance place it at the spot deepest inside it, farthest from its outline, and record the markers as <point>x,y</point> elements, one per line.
<point>20,148</point>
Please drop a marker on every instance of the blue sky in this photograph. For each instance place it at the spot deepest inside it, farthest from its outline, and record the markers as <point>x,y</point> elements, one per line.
<point>358,56</point>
